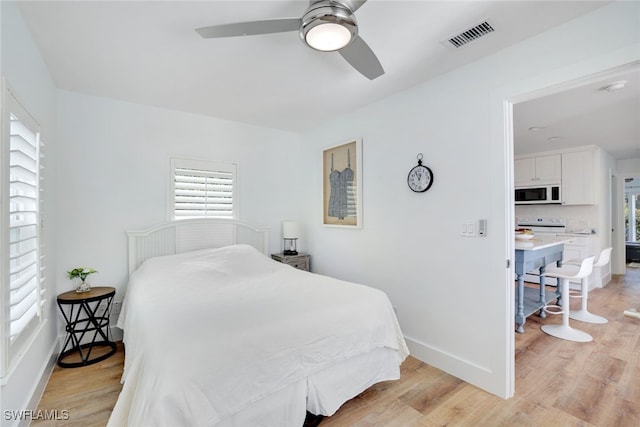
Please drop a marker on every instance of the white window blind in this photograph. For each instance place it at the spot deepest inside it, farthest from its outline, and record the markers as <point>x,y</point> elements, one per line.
<point>203,189</point>
<point>21,228</point>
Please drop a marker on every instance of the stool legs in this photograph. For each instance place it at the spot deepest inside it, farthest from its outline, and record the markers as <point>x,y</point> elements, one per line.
<point>564,331</point>
<point>583,314</point>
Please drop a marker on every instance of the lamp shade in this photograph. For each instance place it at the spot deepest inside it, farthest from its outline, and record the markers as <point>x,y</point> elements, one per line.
<point>290,230</point>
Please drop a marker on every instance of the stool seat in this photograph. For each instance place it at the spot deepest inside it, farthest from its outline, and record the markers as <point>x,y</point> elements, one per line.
<point>564,275</point>
<point>568,267</point>
<point>602,259</point>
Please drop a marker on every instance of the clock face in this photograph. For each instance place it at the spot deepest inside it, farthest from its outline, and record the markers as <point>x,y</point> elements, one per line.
<point>420,179</point>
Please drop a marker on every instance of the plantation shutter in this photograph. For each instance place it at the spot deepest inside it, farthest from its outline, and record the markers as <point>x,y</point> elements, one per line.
<point>203,189</point>
<point>23,262</point>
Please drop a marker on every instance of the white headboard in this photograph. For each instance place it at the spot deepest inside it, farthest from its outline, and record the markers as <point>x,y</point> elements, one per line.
<point>192,234</point>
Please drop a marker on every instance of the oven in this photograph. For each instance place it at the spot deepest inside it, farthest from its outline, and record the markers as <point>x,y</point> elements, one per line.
<point>543,225</point>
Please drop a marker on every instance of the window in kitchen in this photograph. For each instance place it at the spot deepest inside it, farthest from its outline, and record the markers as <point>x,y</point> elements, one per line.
<point>22,261</point>
<point>202,189</point>
<point>632,209</point>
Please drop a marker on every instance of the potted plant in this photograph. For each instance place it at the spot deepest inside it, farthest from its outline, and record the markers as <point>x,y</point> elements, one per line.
<point>81,273</point>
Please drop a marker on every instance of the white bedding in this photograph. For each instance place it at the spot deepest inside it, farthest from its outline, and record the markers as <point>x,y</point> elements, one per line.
<point>218,335</point>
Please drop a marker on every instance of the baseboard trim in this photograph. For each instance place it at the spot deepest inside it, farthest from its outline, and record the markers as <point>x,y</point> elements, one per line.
<point>47,370</point>
<point>466,370</point>
<point>116,333</point>
<point>44,379</point>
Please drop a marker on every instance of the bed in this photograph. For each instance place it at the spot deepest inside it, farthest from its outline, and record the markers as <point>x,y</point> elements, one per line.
<point>219,334</point>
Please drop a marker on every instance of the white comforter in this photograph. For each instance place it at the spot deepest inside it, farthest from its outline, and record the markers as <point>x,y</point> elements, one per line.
<point>208,333</point>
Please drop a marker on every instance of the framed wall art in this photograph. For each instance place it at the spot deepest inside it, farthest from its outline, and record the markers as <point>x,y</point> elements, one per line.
<point>342,185</point>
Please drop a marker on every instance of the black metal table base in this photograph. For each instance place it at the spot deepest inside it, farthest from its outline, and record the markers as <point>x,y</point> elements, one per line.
<point>88,333</point>
<point>86,361</point>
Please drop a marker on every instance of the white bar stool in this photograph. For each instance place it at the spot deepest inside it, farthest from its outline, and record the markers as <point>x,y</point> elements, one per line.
<point>583,315</point>
<point>564,275</point>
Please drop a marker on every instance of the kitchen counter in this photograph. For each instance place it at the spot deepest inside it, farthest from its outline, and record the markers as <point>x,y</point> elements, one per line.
<point>530,255</point>
<point>580,232</point>
<point>541,241</point>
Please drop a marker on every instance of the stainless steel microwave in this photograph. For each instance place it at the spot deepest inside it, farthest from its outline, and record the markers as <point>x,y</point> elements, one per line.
<point>545,194</point>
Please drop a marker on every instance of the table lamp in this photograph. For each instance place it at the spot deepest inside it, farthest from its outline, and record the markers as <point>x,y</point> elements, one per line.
<point>290,233</point>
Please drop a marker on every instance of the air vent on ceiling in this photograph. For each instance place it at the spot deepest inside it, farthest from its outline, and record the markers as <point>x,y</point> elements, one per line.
<point>470,35</point>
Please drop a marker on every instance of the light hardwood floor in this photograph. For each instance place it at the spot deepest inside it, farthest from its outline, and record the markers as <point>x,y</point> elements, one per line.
<point>558,383</point>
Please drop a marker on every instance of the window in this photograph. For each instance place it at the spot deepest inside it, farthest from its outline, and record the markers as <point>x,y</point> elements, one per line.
<point>632,209</point>
<point>21,245</point>
<point>203,189</point>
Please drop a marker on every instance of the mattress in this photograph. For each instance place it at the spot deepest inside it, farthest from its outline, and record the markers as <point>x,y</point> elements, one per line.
<point>229,337</point>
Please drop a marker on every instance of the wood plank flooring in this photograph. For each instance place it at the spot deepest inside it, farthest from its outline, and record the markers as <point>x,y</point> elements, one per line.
<point>558,383</point>
<point>88,393</point>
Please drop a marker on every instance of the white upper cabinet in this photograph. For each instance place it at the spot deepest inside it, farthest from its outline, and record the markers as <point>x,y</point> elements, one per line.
<point>541,170</point>
<point>578,181</point>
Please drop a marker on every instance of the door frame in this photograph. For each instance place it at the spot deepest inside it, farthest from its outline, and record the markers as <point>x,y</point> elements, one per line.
<point>502,101</point>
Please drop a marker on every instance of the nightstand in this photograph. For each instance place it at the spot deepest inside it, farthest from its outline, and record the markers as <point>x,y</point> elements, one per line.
<point>87,325</point>
<point>300,261</point>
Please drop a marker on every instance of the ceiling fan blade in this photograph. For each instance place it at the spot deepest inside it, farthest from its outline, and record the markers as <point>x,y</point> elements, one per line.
<point>362,58</point>
<point>353,4</point>
<point>250,28</point>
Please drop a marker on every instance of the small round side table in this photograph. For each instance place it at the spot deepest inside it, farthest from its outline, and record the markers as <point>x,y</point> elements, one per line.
<point>88,336</point>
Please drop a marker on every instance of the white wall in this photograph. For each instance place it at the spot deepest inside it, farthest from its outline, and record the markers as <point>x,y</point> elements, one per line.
<point>27,75</point>
<point>453,297</point>
<point>628,166</point>
<point>114,176</point>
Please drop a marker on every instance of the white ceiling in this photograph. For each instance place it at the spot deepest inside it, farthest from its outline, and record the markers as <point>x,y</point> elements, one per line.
<point>583,115</point>
<point>148,53</point>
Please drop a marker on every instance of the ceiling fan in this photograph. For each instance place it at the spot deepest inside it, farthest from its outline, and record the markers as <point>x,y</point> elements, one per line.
<point>327,25</point>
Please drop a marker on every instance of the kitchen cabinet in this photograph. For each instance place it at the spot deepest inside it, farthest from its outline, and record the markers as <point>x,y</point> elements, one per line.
<point>541,170</point>
<point>578,183</point>
<point>579,247</point>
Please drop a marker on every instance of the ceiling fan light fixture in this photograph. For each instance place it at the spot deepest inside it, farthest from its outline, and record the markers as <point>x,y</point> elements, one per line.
<point>328,26</point>
<point>328,37</point>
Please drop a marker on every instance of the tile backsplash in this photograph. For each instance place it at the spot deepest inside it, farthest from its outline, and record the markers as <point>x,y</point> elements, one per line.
<point>579,218</point>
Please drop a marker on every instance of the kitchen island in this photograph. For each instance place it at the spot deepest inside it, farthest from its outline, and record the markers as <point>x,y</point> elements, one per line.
<point>535,254</point>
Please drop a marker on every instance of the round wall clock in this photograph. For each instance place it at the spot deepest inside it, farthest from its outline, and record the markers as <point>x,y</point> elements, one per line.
<point>420,177</point>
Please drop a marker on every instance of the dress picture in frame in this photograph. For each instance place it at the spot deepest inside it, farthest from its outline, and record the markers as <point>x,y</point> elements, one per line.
<point>342,185</point>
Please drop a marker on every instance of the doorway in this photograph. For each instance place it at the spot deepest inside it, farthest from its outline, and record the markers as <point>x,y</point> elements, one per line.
<point>511,102</point>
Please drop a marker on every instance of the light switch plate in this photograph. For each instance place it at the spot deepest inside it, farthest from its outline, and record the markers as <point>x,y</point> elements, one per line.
<point>467,229</point>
